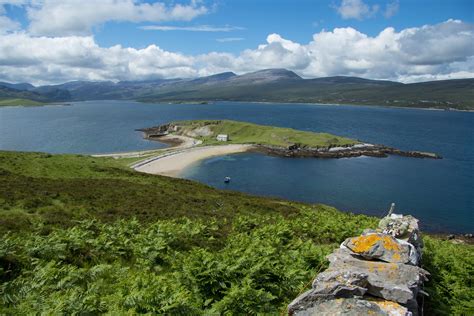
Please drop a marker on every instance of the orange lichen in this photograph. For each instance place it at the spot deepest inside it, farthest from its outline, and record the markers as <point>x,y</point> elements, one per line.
<point>364,243</point>
<point>390,244</point>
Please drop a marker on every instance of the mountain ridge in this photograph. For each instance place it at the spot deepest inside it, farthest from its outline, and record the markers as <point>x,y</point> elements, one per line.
<point>266,85</point>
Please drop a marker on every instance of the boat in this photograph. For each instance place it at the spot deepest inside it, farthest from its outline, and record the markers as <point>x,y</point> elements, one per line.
<point>227,179</point>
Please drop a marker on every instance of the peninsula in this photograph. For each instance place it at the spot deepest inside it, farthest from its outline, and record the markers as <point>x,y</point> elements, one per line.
<point>195,140</point>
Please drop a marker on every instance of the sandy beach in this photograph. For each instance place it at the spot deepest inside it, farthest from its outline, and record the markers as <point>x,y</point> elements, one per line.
<point>177,142</point>
<point>171,164</point>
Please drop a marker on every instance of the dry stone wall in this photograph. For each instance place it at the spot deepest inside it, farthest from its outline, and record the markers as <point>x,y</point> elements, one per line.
<point>376,273</point>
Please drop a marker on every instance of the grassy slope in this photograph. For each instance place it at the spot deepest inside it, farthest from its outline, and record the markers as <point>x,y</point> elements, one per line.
<point>248,133</point>
<point>19,102</point>
<point>88,236</point>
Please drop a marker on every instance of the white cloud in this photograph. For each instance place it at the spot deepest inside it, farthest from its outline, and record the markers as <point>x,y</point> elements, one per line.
<point>356,9</point>
<point>197,28</point>
<point>78,17</point>
<point>391,9</point>
<point>430,52</point>
<point>8,25</point>
<point>229,39</point>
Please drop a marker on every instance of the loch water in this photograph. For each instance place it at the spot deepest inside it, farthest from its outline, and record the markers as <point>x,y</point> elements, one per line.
<point>439,192</point>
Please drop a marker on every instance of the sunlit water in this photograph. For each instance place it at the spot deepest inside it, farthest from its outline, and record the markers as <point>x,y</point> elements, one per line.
<point>439,192</point>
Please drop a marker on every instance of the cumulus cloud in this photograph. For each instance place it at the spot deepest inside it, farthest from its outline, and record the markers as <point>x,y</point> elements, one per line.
<point>197,28</point>
<point>430,52</point>
<point>356,9</point>
<point>78,17</point>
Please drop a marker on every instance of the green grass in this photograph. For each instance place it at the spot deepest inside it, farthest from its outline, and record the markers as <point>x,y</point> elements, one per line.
<point>248,133</point>
<point>84,235</point>
<point>19,102</point>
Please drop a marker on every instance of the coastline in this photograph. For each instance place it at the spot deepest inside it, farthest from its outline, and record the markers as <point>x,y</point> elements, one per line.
<point>186,150</point>
<point>312,103</point>
<point>172,164</point>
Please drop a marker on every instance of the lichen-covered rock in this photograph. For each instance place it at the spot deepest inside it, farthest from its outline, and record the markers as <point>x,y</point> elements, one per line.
<point>353,306</point>
<point>373,274</point>
<point>402,227</point>
<point>381,247</point>
<point>391,281</point>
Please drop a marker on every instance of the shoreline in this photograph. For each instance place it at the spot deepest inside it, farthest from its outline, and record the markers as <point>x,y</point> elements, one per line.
<point>185,151</point>
<point>313,103</point>
<point>172,164</point>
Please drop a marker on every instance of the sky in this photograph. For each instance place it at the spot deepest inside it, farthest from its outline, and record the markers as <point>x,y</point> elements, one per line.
<point>54,41</point>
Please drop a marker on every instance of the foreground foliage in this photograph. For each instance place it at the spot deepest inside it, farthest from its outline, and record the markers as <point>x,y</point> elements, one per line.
<point>451,286</point>
<point>170,266</point>
<point>83,235</point>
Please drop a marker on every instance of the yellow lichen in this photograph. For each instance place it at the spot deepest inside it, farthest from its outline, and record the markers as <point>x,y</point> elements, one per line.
<point>363,244</point>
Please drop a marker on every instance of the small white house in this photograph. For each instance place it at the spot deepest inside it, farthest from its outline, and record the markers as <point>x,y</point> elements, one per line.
<point>222,137</point>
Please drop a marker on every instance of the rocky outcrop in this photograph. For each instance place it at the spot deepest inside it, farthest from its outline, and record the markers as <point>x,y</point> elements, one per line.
<point>356,150</point>
<point>376,273</point>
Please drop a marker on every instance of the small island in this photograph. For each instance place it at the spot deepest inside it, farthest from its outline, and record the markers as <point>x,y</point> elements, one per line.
<point>195,140</point>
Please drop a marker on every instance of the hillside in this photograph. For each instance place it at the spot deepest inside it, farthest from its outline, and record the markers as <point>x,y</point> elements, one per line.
<point>88,235</point>
<point>269,85</point>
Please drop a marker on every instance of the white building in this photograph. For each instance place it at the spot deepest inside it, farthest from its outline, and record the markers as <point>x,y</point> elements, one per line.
<point>222,137</point>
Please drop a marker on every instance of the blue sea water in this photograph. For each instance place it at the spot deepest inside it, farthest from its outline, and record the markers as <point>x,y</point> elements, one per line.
<point>439,192</point>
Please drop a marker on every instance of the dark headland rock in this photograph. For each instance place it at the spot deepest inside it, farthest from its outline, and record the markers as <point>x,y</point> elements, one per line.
<point>357,150</point>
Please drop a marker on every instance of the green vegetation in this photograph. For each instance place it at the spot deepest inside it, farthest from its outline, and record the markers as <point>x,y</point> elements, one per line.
<point>17,102</point>
<point>451,286</point>
<point>248,133</point>
<point>83,235</point>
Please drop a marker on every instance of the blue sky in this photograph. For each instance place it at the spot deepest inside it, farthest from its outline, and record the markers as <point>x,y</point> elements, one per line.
<point>198,30</point>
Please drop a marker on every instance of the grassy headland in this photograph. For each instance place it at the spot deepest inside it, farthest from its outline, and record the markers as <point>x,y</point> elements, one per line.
<point>248,133</point>
<point>88,235</point>
<point>277,141</point>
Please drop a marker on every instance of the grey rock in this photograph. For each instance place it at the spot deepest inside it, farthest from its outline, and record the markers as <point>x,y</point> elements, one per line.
<point>330,285</point>
<point>353,306</point>
<point>391,281</point>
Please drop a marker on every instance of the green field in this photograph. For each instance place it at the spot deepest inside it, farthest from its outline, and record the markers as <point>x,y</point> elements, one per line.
<point>83,235</point>
<point>19,102</point>
<point>248,133</point>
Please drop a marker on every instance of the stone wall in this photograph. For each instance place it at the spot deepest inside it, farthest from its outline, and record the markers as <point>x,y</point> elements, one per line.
<point>376,273</point>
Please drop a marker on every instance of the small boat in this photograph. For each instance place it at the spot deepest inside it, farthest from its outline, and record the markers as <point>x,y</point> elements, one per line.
<point>227,179</point>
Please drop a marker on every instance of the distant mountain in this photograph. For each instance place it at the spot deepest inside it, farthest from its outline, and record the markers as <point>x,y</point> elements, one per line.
<point>11,93</point>
<point>214,78</point>
<point>269,85</point>
<point>17,86</point>
<point>265,76</point>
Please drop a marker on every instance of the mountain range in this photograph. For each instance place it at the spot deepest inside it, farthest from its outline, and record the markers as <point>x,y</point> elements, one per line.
<point>269,85</point>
